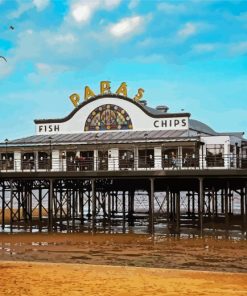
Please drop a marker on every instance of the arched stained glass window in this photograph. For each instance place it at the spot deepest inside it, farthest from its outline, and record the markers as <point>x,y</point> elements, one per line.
<point>108,117</point>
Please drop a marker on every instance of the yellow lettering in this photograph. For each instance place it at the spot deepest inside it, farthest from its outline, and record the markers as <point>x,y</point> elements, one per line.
<point>122,90</point>
<point>105,87</point>
<point>75,99</point>
<point>88,93</point>
<point>139,95</point>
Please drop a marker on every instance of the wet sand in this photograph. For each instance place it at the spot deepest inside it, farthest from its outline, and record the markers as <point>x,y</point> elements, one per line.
<point>118,264</point>
<point>126,250</point>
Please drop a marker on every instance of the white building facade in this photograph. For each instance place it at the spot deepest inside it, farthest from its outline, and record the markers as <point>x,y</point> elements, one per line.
<point>114,132</point>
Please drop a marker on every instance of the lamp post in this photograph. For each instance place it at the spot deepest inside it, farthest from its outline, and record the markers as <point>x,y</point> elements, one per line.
<point>63,158</point>
<point>6,153</point>
<point>50,153</point>
<point>202,150</point>
<point>236,155</point>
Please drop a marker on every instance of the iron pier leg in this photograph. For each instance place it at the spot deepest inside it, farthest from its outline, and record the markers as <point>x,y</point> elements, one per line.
<point>50,207</point>
<point>11,205</point>
<point>93,205</point>
<point>40,208</point>
<point>131,197</point>
<point>177,197</point>
<point>151,207</point>
<point>245,202</point>
<point>3,206</point>
<point>226,207</point>
<point>201,205</point>
<point>109,208</point>
<point>81,201</point>
<point>124,213</point>
<point>167,206</point>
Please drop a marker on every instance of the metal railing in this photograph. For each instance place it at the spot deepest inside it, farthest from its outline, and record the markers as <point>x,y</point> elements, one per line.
<point>115,163</point>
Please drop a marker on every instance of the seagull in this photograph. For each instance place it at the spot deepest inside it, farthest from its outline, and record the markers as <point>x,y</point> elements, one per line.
<point>3,58</point>
<point>11,27</point>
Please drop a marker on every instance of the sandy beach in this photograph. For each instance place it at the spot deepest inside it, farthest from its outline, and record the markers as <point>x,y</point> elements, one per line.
<point>104,264</point>
<point>73,279</point>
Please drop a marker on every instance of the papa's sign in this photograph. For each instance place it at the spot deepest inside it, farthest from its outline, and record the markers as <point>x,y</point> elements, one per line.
<point>105,88</point>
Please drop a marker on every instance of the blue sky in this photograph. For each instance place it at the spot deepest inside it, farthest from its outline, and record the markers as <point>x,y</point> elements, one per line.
<point>189,55</point>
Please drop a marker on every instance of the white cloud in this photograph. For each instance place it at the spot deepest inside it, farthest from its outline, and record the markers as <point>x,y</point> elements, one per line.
<point>188,30</point>
<point>204,47</point>
<point>22,8</point>
<point>82,11</point>
<point>61,39</point>
<point>171,8</point>
<point>241,17</point>
<point>128,26</point>
<point>133,4</point>
<point>44,68</point>
<point>5,68</point>
<point>111,4</point>
<point>41,4</point>
<point>150,59</point>
<point>239,48</point>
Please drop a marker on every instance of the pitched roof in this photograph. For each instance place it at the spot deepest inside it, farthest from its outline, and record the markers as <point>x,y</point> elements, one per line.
<point>105,137</point>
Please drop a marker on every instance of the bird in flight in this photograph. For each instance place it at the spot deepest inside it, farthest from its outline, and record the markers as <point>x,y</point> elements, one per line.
<point>3,58</point>
<point>11,27</point>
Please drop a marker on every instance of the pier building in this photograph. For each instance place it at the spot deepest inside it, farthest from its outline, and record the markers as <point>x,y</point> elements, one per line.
<point>114,160</point>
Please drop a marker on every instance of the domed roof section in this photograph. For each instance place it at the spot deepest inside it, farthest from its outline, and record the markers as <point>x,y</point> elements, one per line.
<point>201,127</point>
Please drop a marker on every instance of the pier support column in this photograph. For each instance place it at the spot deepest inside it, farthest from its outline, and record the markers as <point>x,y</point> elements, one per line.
<point>201,205</point>
<point>93,205</point>
<point>227,198</point>
<point>50,206</point>
<point>177,196</point>
<point>11,205</point>
<point>245,203</point>
<point>124,213</point>
<point>3,205</point>
<point>131,207</point>
<point>151,207</point>
<point>167,206</point>
<point>109,203</point>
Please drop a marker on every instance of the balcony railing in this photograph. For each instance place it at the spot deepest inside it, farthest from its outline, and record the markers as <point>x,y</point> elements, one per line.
<point>227,162</point>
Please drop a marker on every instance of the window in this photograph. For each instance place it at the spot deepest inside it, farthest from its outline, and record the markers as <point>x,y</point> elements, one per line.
<point>27,161</point>
<point>170,157</point>
<point>7,161</point>
<point>44,162</point>
<point>190,157</point>
<point>70,161</point>
<point>108,117</point>
<point>85,161</point>
<point>214,155</point>
<point>102,160</point>
<point>146,158</point>
<point>126,159</point>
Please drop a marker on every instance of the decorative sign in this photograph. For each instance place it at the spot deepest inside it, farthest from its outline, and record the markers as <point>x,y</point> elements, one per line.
<point>170,123</point>
<point>139,95</point>
<point>105,88</point>
<point>108,117</point>
<point>75,99</point>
